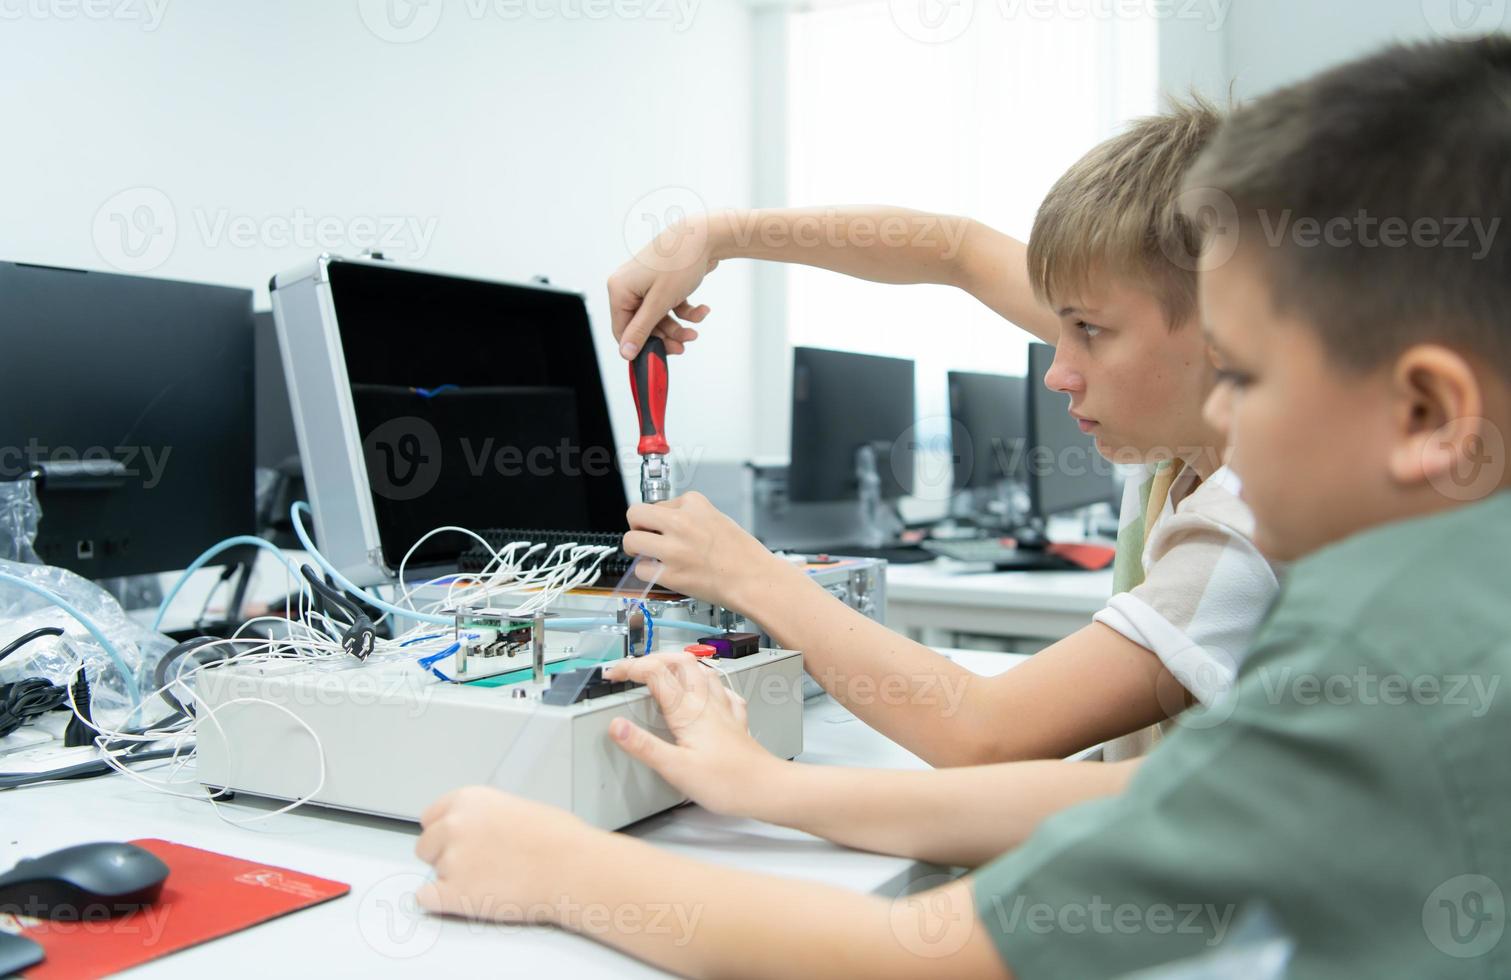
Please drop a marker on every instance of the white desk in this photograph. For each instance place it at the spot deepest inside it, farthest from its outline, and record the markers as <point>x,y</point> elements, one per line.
<point>376,930</point>
<point>934,601</point>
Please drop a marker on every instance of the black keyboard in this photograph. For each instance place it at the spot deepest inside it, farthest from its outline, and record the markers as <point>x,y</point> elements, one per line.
<point>615,566</point>
<point>991,551</point>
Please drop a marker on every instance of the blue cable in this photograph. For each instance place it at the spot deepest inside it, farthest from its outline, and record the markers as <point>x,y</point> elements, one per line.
<point>211,552</point>
<point>94,631</point>
<point>578,624</point>
<point>345,583</point>
<point>650,629</point>
<point>437,657</point>
<point>682,624</point>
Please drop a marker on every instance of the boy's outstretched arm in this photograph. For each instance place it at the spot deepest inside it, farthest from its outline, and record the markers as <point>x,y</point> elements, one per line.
<point>1091,686</point>
<point>653,291</point>
<point>506,859</point>
<point>960,817</point>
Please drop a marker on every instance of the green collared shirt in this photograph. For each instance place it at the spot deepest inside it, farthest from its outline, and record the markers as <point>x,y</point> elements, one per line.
<point>1356,785</point>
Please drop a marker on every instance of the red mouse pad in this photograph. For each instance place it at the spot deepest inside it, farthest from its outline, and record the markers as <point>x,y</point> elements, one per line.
<point>206,896</point>
<point>1092,557</point>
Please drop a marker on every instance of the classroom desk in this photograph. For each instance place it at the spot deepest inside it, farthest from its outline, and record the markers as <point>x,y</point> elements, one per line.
<point>376,930</point>
<point>936,601</point>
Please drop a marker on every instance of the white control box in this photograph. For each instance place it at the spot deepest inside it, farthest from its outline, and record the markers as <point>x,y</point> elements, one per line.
<point>388,738</point>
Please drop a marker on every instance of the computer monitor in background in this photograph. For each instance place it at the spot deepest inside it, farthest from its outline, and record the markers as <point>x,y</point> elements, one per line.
<point>280,477</point>
<point>992,410</point>
<point>1065,471</point>
<point>136,396</point>
<point>277,446</point>
<point>842,402</point>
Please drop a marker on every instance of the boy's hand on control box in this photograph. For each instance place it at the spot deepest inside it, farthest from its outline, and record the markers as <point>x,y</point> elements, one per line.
<point>714,759</point>
<point>496,856</point>
<point>686,544</point>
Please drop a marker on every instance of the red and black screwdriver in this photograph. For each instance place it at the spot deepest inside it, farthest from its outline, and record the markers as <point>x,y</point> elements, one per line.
<point>648,382</point>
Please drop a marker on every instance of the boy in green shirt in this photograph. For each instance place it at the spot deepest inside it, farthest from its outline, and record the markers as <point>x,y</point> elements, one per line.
<point>1356,293</point>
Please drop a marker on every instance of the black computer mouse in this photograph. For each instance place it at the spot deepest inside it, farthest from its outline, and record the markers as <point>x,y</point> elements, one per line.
<point>1030,539</point>
<point>86,881</point>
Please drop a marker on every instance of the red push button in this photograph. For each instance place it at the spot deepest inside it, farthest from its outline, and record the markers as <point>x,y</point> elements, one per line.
<point>700,649</point>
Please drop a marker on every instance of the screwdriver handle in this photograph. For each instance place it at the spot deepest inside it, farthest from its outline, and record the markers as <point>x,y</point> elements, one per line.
<point>648,381</point>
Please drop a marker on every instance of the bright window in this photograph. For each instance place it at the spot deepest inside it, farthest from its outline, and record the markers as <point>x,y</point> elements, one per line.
<point>979,124</point>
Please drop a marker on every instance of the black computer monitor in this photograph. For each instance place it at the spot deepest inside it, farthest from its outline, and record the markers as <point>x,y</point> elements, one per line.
<point>841,402</point>
<point>1065,471</point>
<point>277,445</point>
<point>991,412</point>
<point>148,378</point>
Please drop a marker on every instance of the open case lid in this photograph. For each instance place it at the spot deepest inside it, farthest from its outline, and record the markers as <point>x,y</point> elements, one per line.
<point>422,399</point>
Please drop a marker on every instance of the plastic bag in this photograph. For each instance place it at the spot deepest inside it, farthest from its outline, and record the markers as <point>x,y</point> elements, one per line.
<point>57,658</point>
<point>20,512</point>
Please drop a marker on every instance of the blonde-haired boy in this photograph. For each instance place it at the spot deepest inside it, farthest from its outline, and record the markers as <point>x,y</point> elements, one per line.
<point>1109,277</point>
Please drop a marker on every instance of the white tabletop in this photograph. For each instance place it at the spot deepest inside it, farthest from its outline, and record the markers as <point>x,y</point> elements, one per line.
<point>376,929</point>
<point>947,583</point>
<point>939,601</point>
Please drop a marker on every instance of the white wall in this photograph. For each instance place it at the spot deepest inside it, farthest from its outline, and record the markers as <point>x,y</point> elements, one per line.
<point>1259,45</point>
<point>521,141</point>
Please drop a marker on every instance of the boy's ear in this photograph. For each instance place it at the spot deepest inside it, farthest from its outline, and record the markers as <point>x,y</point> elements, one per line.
<point>1440,432</point>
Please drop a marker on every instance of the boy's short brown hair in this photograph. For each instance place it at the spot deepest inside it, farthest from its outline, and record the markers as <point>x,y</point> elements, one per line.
<point>1117,212</point>
<point>1398,168</point>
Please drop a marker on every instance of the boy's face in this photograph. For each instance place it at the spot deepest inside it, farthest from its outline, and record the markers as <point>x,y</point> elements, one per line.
<point>1135,385</point>
<point>1310,443</point>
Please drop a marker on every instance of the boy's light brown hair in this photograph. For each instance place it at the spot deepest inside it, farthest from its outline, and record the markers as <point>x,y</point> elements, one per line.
<point>1417,138</point>
<point>1117,212</point>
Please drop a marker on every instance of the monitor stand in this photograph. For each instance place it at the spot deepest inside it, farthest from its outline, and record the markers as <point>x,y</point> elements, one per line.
<point>881,530</point>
